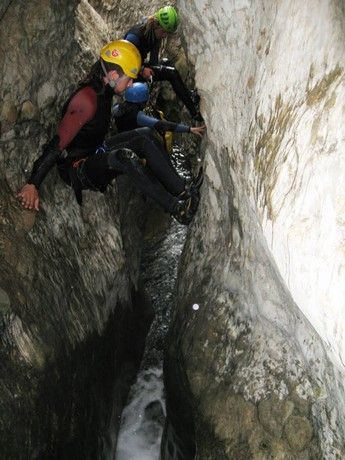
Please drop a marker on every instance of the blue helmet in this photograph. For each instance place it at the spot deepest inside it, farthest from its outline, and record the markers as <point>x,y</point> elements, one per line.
<point>139,92</point>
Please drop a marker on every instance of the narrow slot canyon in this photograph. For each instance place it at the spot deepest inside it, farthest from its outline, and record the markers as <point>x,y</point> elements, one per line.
<point>125,335</point>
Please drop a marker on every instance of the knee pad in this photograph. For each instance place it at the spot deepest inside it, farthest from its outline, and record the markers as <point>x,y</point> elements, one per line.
<point>121,157</point>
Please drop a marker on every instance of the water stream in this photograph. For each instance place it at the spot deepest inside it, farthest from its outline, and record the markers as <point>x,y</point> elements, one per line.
<point>143,418</point>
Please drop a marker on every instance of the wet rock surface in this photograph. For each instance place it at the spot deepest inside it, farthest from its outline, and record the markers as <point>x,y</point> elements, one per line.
<point>247,375</point>
<point>72,319</point>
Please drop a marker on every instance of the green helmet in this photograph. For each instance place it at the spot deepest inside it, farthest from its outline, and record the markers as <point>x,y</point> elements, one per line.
<point>168,18</point>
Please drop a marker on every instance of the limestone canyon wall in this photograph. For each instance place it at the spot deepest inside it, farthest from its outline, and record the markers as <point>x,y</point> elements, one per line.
<point>260,363</point>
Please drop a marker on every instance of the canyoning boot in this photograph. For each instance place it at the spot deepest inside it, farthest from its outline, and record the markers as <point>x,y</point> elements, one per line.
<point>195,198</point>
<point>182,212</point>
<point>195,114</point>
<point>195,97</point>
<point>189,200</point>
<point>194,185</point>
<point>197,181</point>
<point>198,117</point>
<point>193,190</point>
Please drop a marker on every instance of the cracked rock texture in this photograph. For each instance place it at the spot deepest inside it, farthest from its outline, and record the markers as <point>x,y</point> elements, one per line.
<point>257,371</point>
<point>259,366</point>
<point>72,320</point>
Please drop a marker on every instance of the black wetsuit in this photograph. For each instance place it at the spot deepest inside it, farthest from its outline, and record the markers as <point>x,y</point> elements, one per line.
<point>87,162</point>
<point>147,43</point>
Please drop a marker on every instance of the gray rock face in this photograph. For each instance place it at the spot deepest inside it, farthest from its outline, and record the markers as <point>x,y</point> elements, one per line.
<point>255,378</point>
<point>247,375</point>
<point>72,324</point>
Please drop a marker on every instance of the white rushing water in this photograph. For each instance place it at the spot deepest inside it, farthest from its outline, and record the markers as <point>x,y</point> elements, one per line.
<point>143,418</point>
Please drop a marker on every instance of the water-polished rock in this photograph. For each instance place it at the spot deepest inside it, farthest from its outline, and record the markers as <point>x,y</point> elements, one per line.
<point>72,320</point>
<point>257,371</point>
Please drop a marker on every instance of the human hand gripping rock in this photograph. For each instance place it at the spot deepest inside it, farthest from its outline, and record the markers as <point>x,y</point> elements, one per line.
<point>198,130</point>
<point>28,197</point>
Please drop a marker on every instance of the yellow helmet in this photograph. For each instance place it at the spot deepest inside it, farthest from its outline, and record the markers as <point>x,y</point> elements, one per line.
<point>124,54</point>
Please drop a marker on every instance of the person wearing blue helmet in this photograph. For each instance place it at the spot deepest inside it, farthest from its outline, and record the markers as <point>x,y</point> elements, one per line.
<point>130,115</point>
<point>147,36</point>
<point>140,93</point>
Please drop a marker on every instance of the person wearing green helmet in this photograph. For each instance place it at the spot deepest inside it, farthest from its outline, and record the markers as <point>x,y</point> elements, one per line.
<point>147,37</point>
<point>168,18</point>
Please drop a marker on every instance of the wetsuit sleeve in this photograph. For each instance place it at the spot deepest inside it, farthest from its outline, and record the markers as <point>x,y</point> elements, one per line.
<point>45,162</point>
<point>146,120</point>
<point>80,110</point>
<point>161,125</point>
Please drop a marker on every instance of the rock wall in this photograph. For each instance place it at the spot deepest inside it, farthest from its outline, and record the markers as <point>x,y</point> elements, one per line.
<point>72,322</point>
<point>247,374</point>
<point>283,123</point>
<point>264,255</point>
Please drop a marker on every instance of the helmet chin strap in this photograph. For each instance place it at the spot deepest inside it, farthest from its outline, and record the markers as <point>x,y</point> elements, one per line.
<point>111,83</point>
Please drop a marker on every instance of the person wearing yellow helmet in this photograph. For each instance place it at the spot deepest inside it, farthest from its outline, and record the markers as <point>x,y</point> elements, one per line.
<point>147,37</point>
<point>85,160</point>
<point>121,56</point>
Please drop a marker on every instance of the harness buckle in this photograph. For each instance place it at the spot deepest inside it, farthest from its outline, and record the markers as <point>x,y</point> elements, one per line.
<point>77,163</point>
<point>100,149</point>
